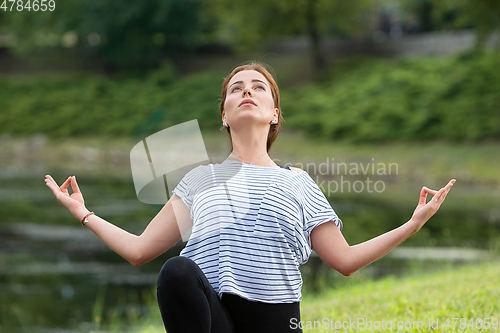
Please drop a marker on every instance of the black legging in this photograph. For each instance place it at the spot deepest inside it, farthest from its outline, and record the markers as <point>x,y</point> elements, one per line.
<point>188,303</point>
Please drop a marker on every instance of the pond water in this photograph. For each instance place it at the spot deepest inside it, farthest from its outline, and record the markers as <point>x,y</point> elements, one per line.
<point>57,275</point>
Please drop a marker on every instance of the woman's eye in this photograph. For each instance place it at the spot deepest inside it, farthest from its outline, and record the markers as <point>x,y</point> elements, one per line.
<point>234,89</point>
<point>261,87</point>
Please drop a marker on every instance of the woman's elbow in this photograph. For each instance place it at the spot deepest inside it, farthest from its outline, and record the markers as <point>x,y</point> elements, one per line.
<point>138,258</point>
<point>136,263</point>
<point>346,272</point>
<point>344,269</point>
<point>142,257</point>
<point>340,264</point>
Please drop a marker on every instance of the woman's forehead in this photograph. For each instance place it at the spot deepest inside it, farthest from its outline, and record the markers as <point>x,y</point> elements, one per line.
<point>247,76</point>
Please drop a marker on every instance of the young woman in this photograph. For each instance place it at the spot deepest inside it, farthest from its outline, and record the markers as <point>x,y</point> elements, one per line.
<point>253,224</point>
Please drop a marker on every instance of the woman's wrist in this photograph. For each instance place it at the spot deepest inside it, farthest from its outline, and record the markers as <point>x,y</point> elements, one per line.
<point>415,226</point>
<point>80,213</point>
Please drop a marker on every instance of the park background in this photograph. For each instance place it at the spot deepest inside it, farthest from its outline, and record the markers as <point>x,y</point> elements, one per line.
<point>411,82</point>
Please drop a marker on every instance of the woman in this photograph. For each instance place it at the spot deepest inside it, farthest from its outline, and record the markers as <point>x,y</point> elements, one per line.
<point>239,270</point>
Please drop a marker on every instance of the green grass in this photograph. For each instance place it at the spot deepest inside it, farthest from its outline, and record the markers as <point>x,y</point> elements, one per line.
<point>469,292</point>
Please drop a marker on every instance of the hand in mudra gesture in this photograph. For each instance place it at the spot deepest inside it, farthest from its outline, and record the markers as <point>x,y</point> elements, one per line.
<point>72,202</point>
<point>424,211</point>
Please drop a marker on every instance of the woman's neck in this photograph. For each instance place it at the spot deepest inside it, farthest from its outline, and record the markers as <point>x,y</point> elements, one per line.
<point>251,156</point>
<point>250,146</point>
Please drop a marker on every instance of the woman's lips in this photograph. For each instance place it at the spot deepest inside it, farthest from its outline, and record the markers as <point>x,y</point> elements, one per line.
<point>247,102</point>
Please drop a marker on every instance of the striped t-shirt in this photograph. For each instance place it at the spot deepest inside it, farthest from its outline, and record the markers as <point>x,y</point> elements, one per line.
<point>251,227</point>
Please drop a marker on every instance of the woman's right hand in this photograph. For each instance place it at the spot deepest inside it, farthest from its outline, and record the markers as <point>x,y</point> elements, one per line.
<point>74,202</point>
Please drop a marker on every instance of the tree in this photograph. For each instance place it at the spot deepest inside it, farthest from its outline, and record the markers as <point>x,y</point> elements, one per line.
<point>482,15</point>
<point>121,33</point>
<point>248,25</point>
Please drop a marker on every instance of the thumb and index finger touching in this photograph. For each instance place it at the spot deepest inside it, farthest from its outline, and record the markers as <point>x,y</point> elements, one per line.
<point>74,185</point>
<point>437,195</point>
<point>52,184</point>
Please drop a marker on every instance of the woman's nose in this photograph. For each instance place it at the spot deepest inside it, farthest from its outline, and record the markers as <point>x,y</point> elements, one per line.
<point>247,91</point>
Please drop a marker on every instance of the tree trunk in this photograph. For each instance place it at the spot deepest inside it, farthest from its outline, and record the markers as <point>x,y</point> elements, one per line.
<point>312,27</point>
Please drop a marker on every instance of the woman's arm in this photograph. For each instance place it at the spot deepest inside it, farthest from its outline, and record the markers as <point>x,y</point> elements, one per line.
<point>162,232</point>
<point>329,243</point>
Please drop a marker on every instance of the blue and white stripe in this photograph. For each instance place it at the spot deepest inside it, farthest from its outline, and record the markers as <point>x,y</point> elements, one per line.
<point>251,227</point>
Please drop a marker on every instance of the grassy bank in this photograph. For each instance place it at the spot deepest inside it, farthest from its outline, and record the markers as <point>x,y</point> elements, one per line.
<point>475,166</point>
<point>469,292</point>
<point>476,163</point>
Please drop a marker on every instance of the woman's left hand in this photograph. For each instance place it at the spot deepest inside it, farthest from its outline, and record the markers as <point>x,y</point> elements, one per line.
<point>424,211</point>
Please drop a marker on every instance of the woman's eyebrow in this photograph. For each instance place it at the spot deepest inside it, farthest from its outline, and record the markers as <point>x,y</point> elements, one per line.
<point>255,80</point>
<point>259,81</point>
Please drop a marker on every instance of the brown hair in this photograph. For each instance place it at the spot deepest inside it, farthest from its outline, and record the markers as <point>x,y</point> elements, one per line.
<point>264,70</point>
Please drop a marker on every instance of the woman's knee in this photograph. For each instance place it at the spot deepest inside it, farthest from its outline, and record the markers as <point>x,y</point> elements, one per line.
<point>177,271</point>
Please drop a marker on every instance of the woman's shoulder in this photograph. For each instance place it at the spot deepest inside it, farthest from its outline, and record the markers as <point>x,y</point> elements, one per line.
<point>301,177</point>
<point>293,180</point>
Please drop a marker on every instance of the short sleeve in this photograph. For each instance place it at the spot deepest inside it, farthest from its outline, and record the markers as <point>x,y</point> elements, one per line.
<point>316,208</point>
<point>184,189</point>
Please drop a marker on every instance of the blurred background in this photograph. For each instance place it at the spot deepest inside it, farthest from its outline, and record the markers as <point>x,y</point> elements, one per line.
<point>414,83</point>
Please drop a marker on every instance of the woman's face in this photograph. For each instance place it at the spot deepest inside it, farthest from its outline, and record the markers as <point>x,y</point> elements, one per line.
<point>249,98</point>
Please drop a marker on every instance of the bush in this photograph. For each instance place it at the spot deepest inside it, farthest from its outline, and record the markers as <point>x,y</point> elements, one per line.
<point>456,98</point>
<point>76,104</point>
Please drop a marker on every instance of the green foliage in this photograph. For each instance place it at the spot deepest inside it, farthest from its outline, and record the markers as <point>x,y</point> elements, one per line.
<point>121,34</point>
<point>253,27</point>
<point>62,106</point>
<point>482,15</point>
<point>379,100</point>
<point>359,100</point>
